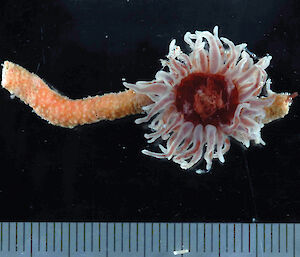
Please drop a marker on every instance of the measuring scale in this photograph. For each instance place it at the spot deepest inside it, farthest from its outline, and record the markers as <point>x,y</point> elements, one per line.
<point>137,239</point>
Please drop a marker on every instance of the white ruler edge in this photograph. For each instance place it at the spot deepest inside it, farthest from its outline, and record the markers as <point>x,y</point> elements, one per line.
<point>138,239</point>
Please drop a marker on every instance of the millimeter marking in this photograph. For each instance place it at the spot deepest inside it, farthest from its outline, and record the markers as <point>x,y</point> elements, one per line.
<point>134,239</point>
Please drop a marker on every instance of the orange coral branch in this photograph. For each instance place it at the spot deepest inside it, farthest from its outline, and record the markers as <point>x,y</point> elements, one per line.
<point>62,111</point>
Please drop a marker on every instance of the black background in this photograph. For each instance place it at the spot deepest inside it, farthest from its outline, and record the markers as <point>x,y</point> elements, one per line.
<point>97,172</point>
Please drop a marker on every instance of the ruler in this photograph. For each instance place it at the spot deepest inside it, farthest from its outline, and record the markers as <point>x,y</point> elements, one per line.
<point>135,239</point>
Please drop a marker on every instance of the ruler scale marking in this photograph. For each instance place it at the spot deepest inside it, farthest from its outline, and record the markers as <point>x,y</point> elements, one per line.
<point>233,237</point>
<point>61,236</point>
<point>174,237</point>
<point>106,239</point>
<point>53,236</point>
<point>92,237</point>
<point>122,237</point>
<point>279,238</point>
<point>219,238</point>
<point>189,236</point>
<point>31,239</point>
<point>152,236</point>
<point>149,239</point>
<point>226,237</point>
<point>197,237</point>
<point>129,239</point>
<point>99,237</point>
<point>114,236</point>
<point>167,237</point>
<point>69,240</point>
<point>242,238</point>
<point>46,236</point>
<point>144,239</point>
<point>137,237</point>
<point>16,237</point>
<point>211,238</point>
<point>249,237</point>
<point>286,237</point>
<point>76,240</point>
<point>264,238</point>
<point>1,246</point>
<point>181,237</point>
<point>159,235</point>
<point>84,236</point>
<point>271,238</point>
<point>256,240</point>
<point>23,236</point>
<point>39,236</point>
<point>8,237</point>
<point>204,237</point>
<point>294,242</point>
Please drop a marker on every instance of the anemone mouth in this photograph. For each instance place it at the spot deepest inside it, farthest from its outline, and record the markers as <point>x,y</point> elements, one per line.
<point>206,99</point>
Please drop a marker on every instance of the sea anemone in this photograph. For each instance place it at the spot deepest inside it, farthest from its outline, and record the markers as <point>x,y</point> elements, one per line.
<point>200,100</point>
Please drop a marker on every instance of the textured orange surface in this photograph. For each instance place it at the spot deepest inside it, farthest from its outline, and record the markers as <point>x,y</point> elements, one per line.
<point>62,111</point>
<point>280,107</point>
